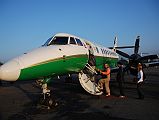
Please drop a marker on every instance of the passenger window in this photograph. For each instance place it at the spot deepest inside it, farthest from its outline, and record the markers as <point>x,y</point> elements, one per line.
<point>102,51</point>
<point>72,41</point>
<point>79,42</point>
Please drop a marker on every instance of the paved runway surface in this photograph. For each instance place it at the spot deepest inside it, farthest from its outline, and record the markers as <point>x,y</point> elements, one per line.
<point>18,101</point>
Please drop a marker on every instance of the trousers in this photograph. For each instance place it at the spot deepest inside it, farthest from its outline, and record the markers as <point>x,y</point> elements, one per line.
<point>139,90</point>
<point>105,81</point>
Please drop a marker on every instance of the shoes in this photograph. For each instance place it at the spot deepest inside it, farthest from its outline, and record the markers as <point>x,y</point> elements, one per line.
<point>122,96</point>
<point>107,95</point>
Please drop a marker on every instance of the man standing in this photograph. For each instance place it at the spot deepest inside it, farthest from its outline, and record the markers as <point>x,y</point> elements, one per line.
<point>0,83</point>
<point>105,79</point>
<point>0,80</point>
<point>120,79</point>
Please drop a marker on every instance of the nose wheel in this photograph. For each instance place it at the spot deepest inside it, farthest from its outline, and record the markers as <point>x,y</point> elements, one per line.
<point>45,99</point>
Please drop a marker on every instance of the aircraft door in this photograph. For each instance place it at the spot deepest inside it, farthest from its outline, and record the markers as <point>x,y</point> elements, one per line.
<point>87,77</point>
<point>91,60</point>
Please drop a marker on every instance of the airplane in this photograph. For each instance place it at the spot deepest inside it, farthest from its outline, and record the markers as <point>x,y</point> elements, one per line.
<point>64,54</point>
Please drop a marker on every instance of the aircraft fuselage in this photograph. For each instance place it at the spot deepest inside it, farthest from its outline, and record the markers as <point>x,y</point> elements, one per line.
<point>54,59</point>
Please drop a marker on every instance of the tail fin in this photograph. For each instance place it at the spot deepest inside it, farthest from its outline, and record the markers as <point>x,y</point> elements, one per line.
<point>115,47</point>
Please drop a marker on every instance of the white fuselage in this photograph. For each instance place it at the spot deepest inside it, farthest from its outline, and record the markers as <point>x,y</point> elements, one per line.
<point>40,57</point>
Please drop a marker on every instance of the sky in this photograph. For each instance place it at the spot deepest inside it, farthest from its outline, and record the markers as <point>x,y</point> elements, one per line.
<point>27,24</point>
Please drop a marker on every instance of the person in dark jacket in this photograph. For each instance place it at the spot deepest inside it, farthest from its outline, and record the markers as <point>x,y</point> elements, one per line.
<point>120,79</point>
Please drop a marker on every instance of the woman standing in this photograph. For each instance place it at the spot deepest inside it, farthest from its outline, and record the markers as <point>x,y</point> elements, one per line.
<point>140,81</point>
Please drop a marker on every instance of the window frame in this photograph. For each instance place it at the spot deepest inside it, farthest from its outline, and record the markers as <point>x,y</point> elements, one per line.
<point>58,37</point>
<point>74,40</point>
<point>81,43</point>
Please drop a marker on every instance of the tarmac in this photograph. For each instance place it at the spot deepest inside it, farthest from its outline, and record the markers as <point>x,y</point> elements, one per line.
<point>18,101</point>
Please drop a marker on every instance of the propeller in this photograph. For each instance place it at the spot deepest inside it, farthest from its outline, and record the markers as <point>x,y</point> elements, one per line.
<point>135,58</point>
<point>122,54</point>
<point>136,49</point>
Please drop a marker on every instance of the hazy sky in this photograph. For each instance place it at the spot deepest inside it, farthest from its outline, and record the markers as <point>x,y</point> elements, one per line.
<point>27,24</point>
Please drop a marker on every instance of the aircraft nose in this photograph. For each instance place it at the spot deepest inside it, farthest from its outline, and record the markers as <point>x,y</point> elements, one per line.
<point>10,71</point>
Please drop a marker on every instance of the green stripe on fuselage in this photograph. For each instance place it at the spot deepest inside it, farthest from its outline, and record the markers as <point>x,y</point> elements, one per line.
<point>100,61</point>
<point>54,67</point>
<point>60,66</point>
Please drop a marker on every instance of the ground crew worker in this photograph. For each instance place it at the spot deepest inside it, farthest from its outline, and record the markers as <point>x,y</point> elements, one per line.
<point>0,83</point>
<point>105,79</point>
<point>120,79</point>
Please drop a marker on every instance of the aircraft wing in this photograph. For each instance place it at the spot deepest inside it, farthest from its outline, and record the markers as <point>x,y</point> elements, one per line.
<point>122,47</point>
<point>150,60</point>
<point>151,64</point>
<point>150,57</point>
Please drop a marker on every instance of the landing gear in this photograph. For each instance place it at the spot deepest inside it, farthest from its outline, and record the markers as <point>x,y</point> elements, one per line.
<point>68,79</point>
<point>46,91</point>
<point>45,98</point>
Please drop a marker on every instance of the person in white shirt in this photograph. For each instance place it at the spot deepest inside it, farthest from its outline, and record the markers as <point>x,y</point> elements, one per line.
<point>140,81</point>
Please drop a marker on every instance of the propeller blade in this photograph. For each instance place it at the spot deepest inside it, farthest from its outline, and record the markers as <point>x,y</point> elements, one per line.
<point>137,45</point>
<point>151,57</point>
<point>122,54</point>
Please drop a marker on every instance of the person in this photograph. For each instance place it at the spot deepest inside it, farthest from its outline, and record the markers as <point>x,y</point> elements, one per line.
<point>0,80</point>
<point>92,60</point>
<point>0,83</point>
<point>140,81</point>
<point>120,79</point>
<point>105,79</point>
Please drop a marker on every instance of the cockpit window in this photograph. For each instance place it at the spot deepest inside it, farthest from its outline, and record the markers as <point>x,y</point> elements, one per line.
<point>47,42</point>
<point>59,41</point>
<point>72,41</point>
<point>79,42</point>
